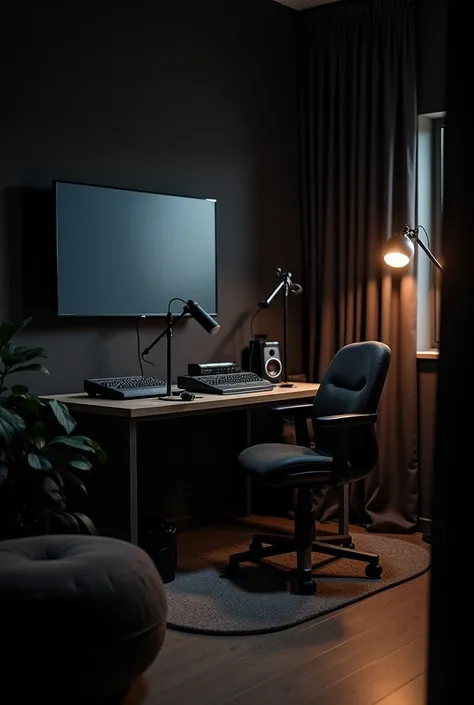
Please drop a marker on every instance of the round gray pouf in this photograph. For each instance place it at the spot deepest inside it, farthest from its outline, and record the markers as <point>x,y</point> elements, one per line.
<point>81,618</point>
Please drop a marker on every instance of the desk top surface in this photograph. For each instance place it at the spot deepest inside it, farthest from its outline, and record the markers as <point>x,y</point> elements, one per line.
<point>142,408</point>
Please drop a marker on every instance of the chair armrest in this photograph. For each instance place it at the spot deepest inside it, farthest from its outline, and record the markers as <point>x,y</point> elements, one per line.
<point>341,423</point>
<point>292,409</point>
<point>344,420</point>
<point>300,413</point>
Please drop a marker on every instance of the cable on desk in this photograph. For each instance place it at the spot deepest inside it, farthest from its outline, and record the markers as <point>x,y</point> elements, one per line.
<point>139,347</point>
<point>252,347</point>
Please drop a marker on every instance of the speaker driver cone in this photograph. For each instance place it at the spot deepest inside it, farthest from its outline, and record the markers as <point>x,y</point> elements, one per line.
<point>273,367</point>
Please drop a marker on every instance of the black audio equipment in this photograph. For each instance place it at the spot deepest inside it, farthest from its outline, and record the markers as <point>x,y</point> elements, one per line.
<point>227,383</point>
<point>199,369</point>
<point>125,387</point>
<point>265,359</point>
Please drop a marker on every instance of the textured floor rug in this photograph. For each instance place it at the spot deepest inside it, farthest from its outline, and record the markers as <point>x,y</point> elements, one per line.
<point>202,601</point>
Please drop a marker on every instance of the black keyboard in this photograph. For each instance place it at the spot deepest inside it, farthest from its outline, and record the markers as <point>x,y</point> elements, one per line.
<point>231,383</point>
<point>125,387</point>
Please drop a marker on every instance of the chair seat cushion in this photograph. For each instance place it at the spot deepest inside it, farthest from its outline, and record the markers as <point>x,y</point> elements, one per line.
<point>285,464</point>
<point>81,616</point>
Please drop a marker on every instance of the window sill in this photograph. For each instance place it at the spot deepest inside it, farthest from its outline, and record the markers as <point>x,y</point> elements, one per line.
<point>427,355</point>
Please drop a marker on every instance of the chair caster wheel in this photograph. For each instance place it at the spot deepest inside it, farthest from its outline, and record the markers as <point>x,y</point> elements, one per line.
<point>255,546</point>
<point>231,570</point>
<point>307,588</point>
<point>373,570</point>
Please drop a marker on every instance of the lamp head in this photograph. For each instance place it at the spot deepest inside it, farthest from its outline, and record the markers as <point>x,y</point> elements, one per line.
<point>202,317</point>
<point>399,250</point>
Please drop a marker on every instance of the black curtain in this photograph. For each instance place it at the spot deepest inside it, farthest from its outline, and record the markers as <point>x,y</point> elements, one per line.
<point>359,128</point>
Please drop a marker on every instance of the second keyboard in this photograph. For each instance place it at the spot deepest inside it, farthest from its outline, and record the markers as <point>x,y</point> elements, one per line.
<point>231,383</point>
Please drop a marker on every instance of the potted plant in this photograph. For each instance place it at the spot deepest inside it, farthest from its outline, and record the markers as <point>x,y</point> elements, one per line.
<point>42,461</point>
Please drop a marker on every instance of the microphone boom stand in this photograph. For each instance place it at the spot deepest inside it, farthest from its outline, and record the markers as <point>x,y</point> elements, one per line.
<point>171,321</point>
<point>285,284</point>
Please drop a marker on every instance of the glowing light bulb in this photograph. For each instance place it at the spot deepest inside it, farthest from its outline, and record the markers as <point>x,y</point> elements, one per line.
<point>396,259</point>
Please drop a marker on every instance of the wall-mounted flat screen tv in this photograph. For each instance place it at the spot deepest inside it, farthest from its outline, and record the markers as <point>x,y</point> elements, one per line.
<point>128,253</point>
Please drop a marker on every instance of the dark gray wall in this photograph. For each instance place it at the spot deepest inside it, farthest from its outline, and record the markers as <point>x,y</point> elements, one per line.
<point>192,98</point>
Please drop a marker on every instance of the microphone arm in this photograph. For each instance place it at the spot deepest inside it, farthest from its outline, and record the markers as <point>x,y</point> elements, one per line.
<point>171,321</point>
<point>267,302</point>
<point>288,286</point>
<point>199,315</point>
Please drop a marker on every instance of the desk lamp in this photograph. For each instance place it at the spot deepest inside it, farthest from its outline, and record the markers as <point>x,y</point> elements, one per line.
<point>398,252</point>
<point>199,314</point>
<point>400,248</point>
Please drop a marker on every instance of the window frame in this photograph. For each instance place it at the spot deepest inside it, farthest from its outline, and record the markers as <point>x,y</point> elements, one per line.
<point>429,217</point>
<point>438,137</point>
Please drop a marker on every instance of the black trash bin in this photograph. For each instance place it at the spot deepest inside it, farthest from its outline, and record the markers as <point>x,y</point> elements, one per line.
<point>158,539</point>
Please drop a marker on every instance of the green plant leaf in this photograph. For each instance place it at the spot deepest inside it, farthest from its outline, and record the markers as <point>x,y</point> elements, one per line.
<point>86,524</point>
<point>34,367</point>
<point>61,456</point>
<point>68,519</point>
<point>59,477</point>
<point>8,330</point>
<point>83,439</point>
<point>35,434</point>
<point>75,442</point>
<point>100,454</point>
<point>11,424</point>
<point>19,354</point>
<point>26,402</point>
<point>74,481</point>
<point>48,483</point>
<point>80,464</point>
<point>29,353</point>
<point>57,455</point>
<point>55,499</point>
<point>53,495</point>
<point>63,417</point>
<point>77,522</point>
<point>3,473</point>
<point>38,462</point>
<point>19,389</point>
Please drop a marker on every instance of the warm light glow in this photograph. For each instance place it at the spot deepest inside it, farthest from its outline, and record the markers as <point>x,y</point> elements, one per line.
<point>396,259</point>
<point>398,251</point>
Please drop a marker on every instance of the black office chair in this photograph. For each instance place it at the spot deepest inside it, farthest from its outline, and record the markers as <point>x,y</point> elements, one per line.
<point>343,413</point>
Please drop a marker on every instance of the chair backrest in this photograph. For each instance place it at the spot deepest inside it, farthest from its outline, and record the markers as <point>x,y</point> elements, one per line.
<point>353,384</point>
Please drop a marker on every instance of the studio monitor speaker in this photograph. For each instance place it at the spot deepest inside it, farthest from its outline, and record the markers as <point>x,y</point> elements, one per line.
<point>265,359</point>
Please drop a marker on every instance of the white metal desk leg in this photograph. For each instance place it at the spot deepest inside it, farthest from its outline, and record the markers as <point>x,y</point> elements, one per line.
<point>133,479</point>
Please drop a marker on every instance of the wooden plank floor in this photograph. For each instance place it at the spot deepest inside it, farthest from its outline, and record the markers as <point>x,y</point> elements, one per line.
<point>372,652</point>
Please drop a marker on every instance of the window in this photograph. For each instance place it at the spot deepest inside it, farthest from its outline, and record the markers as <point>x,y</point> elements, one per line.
<point>438,172</point>
<point>431,131</point>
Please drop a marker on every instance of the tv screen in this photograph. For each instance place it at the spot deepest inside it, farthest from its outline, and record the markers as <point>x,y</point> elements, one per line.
<point>127,253</point>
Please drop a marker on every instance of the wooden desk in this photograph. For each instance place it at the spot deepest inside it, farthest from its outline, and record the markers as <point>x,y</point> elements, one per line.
<point>137,411</point>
